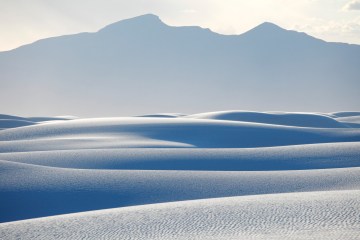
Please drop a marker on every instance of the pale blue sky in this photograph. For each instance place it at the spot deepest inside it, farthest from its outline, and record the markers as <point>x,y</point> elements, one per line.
<point>24,21</point>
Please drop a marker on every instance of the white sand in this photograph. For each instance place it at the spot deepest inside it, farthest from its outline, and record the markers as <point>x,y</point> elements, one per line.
<point>221,175</point>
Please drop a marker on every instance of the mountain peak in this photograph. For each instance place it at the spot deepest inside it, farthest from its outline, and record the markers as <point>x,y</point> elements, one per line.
<point>270,32</point>
<point>146,17</point>
<point>146,20</point>
<point>268,26</point>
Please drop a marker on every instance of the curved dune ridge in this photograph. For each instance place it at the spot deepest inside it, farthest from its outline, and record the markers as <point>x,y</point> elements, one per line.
<point>278,118</point>
<point>297,157</point>
<point>9,121</point>
<point>13,123</point>
<point>344,114</point>
<point>218,175</point>
<point>43,191</point>
<point>316,215</point>
<point>153,132</point>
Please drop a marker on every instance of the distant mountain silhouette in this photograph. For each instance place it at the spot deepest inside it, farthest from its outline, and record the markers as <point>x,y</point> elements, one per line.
<point>141,65</point>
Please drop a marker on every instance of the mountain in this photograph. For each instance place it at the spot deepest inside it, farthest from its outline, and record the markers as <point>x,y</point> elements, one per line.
<point>141,65</point>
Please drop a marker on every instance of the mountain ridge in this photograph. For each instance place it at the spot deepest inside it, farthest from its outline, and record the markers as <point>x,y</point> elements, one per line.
<point>154,19</point>
<point>143,63</point>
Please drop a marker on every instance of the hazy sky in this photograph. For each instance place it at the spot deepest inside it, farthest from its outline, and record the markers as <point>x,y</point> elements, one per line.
<point>24,21</point>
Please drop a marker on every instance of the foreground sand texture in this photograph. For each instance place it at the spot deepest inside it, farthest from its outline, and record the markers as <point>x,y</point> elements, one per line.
<point>218,175</point>
<point>315,215</point>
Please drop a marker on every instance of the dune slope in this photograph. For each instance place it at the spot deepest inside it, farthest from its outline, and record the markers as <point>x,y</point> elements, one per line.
<point>164,132</point>
<point>316,215</point>
<point>278,118</point>
<point>298,157</point>
<point>30,191</point>
<point>218,175</point>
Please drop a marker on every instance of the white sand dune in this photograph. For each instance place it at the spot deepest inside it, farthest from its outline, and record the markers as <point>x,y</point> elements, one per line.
<point>345,114</point>
<point>47,119</point>
<point>278,118</point>
<point>297,157</point>
<point>14,123</point>
<point>316,215</point>
<point>35,119</point>
<point>163,115</point>
<point>218,175</point>
<point>11,117</point>
<point>164,132</point>
<point>351,119</point>
<point>30,191</point>
<point>9,121</point>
